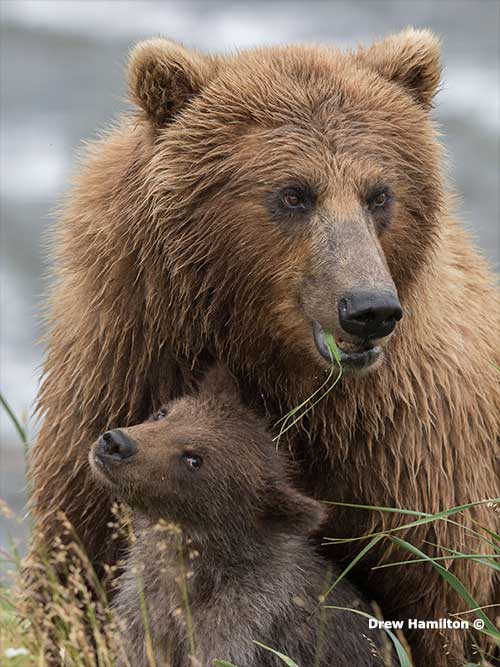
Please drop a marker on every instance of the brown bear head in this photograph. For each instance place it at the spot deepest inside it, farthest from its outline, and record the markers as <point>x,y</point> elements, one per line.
<point>293,190</point>
<point>206,463</point>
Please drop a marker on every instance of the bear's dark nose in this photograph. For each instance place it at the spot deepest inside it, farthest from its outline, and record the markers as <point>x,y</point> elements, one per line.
<point>369,314</point>
<point>116,444</point>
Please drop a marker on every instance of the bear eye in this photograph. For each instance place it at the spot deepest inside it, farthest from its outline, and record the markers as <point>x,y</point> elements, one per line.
<point>292,198</point>
<point>161,414</point>
<point>192,461</point>
<point>293,202</point>
<point>379,199</point>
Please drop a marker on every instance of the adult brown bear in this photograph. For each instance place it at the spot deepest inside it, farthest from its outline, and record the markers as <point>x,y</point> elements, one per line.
<point>252,202</point>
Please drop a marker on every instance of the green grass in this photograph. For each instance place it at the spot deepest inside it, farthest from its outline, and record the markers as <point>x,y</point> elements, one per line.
<point>21,430</point>
<point>297,413</point>
<point>490,560</point>
<point>12,635</point>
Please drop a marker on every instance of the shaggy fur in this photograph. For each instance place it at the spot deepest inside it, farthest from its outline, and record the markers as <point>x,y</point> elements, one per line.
<point>231,537</point>
<point>169,256</point>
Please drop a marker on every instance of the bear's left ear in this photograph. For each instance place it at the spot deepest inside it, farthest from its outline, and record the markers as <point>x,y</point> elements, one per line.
<point>412,59</point>
<point>163,76</point>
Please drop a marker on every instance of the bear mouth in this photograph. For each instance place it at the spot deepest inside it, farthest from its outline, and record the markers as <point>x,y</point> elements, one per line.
<point>356,356</point>
<point>100,468</point>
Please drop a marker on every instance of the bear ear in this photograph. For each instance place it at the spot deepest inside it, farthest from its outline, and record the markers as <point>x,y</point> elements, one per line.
<point>412,59</point>
<point>294,511</point>
<point>163,76</point>
<point>219,381</point>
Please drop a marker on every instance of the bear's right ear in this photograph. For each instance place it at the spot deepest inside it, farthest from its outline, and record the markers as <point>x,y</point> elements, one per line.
<point>163,76</point>
<point>294,511</point>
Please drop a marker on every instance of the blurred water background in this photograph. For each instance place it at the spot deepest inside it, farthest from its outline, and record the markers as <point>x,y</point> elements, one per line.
<point>62,81</point>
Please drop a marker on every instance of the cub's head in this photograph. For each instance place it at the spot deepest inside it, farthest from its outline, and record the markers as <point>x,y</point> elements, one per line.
<point>295,190</point>
<point>206,463</point>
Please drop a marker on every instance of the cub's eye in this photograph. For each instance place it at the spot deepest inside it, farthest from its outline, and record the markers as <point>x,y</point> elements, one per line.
<point>292,198</point>
<point>161,414</point>
<point>193,461</point>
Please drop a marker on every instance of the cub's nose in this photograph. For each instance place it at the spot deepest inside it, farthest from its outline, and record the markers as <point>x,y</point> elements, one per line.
<point>116,444</point>
<point>369,313</point>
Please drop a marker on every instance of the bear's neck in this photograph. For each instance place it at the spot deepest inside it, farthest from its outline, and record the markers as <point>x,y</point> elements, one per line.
<point>203,595</point>
<point>202,565</point>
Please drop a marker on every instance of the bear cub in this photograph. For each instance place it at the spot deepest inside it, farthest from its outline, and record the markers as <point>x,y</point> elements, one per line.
<point>221,556</point>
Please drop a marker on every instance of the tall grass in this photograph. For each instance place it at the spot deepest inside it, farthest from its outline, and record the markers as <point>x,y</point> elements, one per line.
<point>489,560</point>
<point>79,627</point>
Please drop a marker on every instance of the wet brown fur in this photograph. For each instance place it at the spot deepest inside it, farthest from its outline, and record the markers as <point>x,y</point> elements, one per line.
<point>166,258</point>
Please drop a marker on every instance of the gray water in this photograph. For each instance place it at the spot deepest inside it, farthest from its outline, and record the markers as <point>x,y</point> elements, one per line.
<point>62,80</point>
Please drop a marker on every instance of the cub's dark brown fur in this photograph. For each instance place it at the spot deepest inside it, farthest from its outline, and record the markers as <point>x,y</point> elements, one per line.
<point>237,566</point>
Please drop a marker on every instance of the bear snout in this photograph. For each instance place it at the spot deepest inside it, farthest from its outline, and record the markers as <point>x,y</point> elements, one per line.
<point>369,313</point>
<point>115,445</point>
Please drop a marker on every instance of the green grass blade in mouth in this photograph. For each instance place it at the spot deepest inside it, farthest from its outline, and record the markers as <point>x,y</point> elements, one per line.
<point>332,346</point>
<point>296,414</point>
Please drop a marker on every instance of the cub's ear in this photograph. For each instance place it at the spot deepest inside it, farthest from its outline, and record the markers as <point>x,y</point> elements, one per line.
<point>219,381</point>
<point>163,76</point>
<point>412,59</point>
<point>296,512</point>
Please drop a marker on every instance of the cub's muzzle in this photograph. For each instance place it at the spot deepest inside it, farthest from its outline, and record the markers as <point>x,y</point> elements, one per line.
<point>115,446</point>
